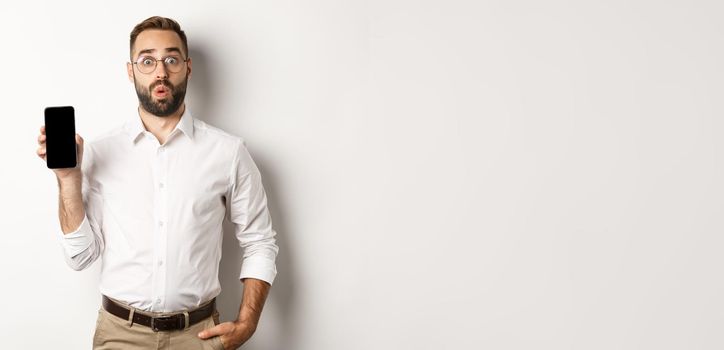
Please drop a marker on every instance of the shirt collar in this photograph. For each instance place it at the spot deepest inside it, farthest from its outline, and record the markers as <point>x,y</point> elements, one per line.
<point>135,126</point>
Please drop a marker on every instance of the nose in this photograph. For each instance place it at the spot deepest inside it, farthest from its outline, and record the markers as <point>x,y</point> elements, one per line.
<point>161,72</point>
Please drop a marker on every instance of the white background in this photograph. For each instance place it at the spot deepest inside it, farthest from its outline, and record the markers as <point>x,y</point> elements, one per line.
<point>442,174</point>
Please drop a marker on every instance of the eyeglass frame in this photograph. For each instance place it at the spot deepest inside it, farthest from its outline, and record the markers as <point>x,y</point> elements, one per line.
<point>156,60</point>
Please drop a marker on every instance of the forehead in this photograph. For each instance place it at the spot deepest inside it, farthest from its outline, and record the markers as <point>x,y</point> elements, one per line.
<point>158,40</point>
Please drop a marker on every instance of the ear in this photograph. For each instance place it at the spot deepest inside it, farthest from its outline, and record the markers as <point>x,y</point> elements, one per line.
<point>188,68</point>
<point>129,71</point>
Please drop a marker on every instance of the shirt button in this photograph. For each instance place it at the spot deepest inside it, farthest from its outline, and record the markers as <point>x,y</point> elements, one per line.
<point>160,263</point>
<point>160,185</point>
<point>160,223</point>
<point>158,301</point>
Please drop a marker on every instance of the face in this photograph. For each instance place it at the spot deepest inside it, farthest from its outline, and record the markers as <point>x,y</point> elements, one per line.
<point>160,92</point>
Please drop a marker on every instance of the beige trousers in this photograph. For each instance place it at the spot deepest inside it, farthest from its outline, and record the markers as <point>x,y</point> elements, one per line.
<point>114,333</point>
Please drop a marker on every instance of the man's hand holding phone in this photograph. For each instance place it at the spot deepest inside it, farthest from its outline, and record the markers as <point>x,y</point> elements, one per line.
<point>62,150</point>
<point>59,146</point>
<point>61,173</point>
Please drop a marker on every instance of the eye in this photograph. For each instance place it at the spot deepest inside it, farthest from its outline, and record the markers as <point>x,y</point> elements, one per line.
<point>147,61</point>
<point>172,60</point>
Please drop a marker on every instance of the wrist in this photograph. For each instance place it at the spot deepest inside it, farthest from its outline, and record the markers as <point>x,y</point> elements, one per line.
<point>246,324</point>
<point>72,178</point>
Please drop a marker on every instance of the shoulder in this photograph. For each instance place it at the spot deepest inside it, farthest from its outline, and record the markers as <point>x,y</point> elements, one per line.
<point>233,146</point>
<point>206,130</point>
<point>99,147</point>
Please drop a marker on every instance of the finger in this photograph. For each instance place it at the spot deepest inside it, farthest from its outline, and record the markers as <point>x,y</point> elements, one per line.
<point>41,139</point>
<point>41,152</point>
<point>214,331</point>
<point>80,141</point>
<point>42,129</point>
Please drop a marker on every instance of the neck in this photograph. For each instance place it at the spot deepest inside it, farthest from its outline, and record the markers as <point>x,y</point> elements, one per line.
<point>161,127</point>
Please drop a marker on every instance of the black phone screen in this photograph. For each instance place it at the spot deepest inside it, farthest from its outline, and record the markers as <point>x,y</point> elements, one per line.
<point>60,147</point>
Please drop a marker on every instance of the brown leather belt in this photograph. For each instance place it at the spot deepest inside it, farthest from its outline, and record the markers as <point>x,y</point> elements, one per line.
<point>165,323</point>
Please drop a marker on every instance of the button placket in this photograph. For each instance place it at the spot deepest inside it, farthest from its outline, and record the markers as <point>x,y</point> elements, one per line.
<point>161,243</point>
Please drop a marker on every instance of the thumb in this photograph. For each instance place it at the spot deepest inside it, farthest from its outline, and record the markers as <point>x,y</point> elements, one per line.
<point>79,145</point>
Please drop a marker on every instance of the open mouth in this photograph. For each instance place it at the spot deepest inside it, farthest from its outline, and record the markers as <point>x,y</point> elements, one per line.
<point>161,91</point>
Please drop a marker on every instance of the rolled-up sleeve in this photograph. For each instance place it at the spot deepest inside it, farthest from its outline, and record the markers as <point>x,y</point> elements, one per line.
<point>84,245</point>
<point>247,204</point>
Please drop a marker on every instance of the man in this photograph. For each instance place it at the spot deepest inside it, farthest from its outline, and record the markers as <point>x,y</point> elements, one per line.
<point>150,197</point>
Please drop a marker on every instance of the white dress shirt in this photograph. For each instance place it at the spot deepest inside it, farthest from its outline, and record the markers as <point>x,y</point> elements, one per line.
<point>154,214</point>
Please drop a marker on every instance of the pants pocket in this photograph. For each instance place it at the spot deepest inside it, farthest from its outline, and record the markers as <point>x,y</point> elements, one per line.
<point>217,343</point>
<point>214,342</point>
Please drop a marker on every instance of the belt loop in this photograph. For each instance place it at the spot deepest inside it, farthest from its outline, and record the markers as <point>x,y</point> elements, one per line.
<point>130,316</point>
<point>186,317</point>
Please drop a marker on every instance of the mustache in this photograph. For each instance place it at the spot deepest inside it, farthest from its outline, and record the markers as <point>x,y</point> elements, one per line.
<point>165,84</point>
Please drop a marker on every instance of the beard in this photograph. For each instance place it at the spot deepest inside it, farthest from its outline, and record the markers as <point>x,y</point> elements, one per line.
<point>165,106</point>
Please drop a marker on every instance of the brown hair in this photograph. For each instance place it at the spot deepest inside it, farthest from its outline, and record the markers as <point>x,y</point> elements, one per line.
<point>157,22</point>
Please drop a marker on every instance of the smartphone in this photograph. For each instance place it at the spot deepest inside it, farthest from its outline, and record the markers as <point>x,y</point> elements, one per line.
<point>60,146</point>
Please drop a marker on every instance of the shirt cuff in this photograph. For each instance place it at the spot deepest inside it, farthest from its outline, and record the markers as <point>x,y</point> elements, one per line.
<point>77,241</point>
<point>260,268</point>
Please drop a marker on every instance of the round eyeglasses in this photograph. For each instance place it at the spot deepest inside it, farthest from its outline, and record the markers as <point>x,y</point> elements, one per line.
<point>147,64</point>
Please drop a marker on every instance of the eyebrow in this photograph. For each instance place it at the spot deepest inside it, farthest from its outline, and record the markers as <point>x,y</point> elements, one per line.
<point>168,49</point>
